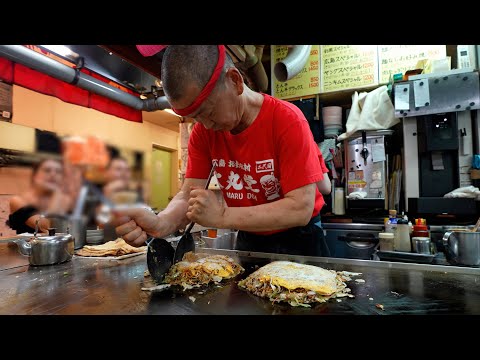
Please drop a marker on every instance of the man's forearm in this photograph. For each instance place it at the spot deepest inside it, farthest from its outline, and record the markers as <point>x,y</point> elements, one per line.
<point>174,216</point>
<point>278,215</point>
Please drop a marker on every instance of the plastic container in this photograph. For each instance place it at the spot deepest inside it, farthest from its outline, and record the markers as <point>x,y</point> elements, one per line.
<point>212,233</point>
<point>339,207</point>
<point>386,241</point>
<point>402,237</point>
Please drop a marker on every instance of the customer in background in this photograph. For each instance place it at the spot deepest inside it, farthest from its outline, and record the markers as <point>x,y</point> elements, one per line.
<point>117,177</point>
<point>267,160</point>
<point>47,195</point>
<point>118,189</point>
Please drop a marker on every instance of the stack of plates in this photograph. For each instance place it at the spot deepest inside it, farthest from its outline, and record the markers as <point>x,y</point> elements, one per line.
<point>332,121</point>
<point>95,237</point>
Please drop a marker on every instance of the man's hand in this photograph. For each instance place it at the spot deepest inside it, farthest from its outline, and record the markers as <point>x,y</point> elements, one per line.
<point>205,209</point>
<point>133,225</point>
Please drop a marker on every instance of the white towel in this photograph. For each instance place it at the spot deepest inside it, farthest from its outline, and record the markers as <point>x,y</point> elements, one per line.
<point>370,111</point>
<point>356,195</point>
<point>464,192</point>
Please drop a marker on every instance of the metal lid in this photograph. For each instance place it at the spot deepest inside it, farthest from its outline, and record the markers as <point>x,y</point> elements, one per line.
<point>52,236</point>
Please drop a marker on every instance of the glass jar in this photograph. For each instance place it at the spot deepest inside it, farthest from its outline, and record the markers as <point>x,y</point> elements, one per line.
<point>386,241</point>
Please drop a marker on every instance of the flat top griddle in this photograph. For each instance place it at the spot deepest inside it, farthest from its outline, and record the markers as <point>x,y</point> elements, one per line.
<point>87,286</point>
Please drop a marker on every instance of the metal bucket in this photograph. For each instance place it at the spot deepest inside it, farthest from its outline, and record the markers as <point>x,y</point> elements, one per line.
<point>462,247</point>
<point>226,239</point>
<point>78,228</point>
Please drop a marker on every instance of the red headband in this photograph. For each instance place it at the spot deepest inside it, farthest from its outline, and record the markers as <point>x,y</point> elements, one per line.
<point>208,88</point>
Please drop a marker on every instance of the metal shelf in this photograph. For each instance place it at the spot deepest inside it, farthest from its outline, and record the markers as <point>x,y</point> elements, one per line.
<point>456,90</point>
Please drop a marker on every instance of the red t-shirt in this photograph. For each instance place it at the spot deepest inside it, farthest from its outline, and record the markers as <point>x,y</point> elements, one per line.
<point>273,156</point>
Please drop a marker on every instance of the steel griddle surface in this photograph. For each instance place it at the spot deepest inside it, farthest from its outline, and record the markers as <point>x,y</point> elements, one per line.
<point>409,290</point>
<point>90,286</point>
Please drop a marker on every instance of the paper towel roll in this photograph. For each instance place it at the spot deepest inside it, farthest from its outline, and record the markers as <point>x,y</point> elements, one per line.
<point>339,208</point>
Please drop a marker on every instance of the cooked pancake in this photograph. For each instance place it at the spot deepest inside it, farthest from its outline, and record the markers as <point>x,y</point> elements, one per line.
<point>297,284</point>
<point>116,247</point>
<point>199,269</point>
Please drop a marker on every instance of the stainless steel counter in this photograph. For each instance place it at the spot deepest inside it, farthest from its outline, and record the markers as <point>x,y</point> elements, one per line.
<point>91,286</point>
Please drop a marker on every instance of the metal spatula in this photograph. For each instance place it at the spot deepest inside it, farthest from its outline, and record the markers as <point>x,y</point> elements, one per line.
<point>159,258</point>
<point>186,242</point>
<point>161,255</point>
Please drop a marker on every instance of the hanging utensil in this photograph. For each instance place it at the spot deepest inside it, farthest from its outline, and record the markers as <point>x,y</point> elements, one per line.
<point>364,152</point>
<point>186,242</point>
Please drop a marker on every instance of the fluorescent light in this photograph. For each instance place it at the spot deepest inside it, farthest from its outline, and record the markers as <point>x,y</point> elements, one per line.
<point>61,50</point>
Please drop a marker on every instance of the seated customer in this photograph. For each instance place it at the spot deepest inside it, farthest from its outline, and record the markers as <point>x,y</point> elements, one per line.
<point>118,176</point>
<point>117,188</point>
<point>46,196</point>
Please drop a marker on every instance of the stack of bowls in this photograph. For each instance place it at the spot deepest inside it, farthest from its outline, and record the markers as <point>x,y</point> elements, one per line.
<point>95,237</point>
<point>332,121</point>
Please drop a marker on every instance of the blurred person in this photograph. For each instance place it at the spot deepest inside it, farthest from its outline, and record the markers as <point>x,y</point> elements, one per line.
<point>47,195</point>
<point>267,161</point>
<point>118,189</point>
<point>118,176</point>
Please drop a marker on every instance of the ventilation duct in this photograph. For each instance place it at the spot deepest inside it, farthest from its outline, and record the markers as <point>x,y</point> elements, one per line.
<point>22,55</point>
<point>293,63</point>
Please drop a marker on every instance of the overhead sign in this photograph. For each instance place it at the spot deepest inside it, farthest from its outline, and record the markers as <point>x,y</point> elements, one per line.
<point>394,59</point>
<point>348,67</point>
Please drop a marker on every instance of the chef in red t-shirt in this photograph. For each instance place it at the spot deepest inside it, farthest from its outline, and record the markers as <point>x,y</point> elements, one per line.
<point>267,163</point>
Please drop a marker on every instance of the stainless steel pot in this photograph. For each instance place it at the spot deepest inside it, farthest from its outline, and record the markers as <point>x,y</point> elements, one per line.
<point>462,247</point>
<point>47,249</point>
<point>77,226</point>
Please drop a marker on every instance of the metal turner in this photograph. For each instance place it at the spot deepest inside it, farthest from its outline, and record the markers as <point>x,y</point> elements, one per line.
<point>161,255</point>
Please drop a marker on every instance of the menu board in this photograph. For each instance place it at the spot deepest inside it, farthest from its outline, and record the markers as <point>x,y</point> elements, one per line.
<point>348,67</point>
<point>307,82</point>
<point>5,102</point>
<point>394,59</point>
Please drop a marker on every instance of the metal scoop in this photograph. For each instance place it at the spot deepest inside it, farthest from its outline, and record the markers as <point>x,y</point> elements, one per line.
<point>159,258</point>
<point>160,253</point>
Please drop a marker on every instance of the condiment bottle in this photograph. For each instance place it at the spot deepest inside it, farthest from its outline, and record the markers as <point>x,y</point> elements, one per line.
<point>402,237</point>
<point>392,216</point>
<point>391,224</point>
<point>386,241</point>
<point>420,231</point>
